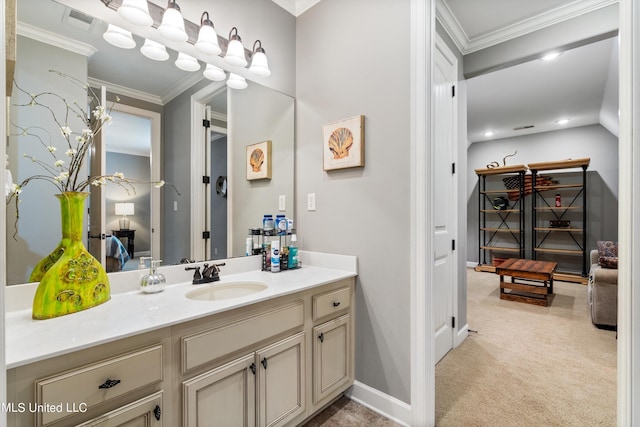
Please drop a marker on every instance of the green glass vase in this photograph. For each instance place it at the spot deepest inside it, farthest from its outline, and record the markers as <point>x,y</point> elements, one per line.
<point>71,279</point>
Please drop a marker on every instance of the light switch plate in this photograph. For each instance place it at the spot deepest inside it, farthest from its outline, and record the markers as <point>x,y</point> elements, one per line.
<point>282,203</point>
<point>311,201</point>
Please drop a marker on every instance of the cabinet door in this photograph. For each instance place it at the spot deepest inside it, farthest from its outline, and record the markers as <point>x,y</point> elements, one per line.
<point>222,397</point>
<point>331,357</point>
<point>281,381</point>
<point>146,412</point>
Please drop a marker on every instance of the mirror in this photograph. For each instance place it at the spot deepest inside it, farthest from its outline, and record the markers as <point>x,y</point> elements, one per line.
<point>39,51</point>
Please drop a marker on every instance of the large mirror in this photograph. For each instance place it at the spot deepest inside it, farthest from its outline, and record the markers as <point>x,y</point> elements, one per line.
<point>53,36</point>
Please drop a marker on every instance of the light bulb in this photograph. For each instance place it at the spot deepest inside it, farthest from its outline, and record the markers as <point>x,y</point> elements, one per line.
<point>235,50</point>
<point>172,26</point>
<point>214,73</point>
<point>119,37</point>
<point>154,50</point>
<point>207,37</point>
<point>136,12</point>
<point>187,63</point>
<point>236,82</point>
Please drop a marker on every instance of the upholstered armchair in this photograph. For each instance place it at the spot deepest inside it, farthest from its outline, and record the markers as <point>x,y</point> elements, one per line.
<point>603,287</point>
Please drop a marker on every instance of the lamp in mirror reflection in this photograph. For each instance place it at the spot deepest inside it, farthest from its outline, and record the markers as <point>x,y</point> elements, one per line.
<point>236,82</point>
<point>207,42</point>
<point>124,209</point>
<point>154,50</point>
<point>172,25</point>
<point>259,65</point>
<point>214,73</point>
<point>235,50</point>
<point>187,62</point>
<point>136,12</point>
<point>119,37</point>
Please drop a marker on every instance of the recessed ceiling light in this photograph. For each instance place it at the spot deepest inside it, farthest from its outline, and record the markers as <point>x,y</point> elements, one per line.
<point>551,55</point>
<point>562,121</point>
<point>488,133</point>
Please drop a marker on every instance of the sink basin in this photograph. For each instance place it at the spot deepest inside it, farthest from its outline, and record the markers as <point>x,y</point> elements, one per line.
<point>222,291</point>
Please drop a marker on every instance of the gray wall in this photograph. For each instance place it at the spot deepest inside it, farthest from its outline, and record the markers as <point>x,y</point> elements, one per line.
<point>593,141</point>
<point>39,224</point>
<point>360,211</point>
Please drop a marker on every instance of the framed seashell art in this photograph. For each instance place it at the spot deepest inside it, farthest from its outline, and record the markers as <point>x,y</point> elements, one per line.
<point>259,161</point>
<point>343,145</point>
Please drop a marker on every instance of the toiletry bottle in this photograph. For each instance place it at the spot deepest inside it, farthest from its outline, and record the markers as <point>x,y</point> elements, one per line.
<point>293,252</point>
<point>275,256</point>
<point>281,225</point>
<point>266,256</point>
<point>267,223</point>
<point>558,200</point>
<point>154,281</point>
<point>248,247</point>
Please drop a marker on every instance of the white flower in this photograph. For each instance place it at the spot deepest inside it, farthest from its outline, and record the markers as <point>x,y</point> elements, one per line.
<point>65,130</point>
<point>87,133</point>
<point>119,175</point>
<point>99,182</point>
<point>106,119</point>
<point>59,163</point>
<point>51,149</point>
<point>159,184</point>
<point>71,152</point>
<point>62,176</point>
<point>16,189</point>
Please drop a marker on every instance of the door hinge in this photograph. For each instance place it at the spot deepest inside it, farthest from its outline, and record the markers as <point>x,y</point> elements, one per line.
<point>453,168</point>
<point>453,244</point>
<point>206,234</point>
<point>206,179</point>
<point>453,322</point>
<point>453,91</point>
<point>206,123</point>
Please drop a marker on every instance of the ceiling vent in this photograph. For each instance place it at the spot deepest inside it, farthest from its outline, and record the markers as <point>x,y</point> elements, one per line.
<point>78,19</point>
<point>524,127</point>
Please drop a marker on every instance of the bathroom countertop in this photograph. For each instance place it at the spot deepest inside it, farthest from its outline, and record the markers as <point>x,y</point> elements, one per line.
<point>130,313</point>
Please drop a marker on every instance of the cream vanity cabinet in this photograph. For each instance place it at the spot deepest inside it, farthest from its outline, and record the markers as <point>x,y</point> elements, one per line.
<point>115,384</point>
<point>270,363</point>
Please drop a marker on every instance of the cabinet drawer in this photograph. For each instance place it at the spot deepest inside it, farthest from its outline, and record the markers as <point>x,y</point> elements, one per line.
<point>331,302</point>
<point>83,388</point>
<point>204,347</point>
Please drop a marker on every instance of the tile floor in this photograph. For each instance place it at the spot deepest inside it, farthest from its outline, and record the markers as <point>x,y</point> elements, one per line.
<point>346,413</point>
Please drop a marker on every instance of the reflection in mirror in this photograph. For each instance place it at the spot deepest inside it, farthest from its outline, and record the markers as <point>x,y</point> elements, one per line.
<point>52,36</point>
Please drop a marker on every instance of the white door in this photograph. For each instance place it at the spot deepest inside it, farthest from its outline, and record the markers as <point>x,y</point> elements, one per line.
<point>445,211</point>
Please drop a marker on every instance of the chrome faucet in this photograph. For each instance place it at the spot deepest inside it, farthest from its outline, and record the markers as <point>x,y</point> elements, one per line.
<point>210,273</point>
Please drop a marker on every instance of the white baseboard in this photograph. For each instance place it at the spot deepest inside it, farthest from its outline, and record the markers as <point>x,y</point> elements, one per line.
<point>471,264</point>
<point>461,335</point>
<point>388,406</point>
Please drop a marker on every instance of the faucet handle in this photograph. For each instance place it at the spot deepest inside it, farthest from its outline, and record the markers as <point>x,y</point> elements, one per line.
<point>142,265</point>
<point>196,273</point>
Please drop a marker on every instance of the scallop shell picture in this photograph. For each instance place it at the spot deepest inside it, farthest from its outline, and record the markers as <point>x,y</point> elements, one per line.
<point>256,160</point>
<point>259,160</point>
<point>340,142</point>
<point>344,144</point>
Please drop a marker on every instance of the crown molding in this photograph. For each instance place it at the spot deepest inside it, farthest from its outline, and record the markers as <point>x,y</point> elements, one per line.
<point>296,7</point>
<point>125,91</point>
<point>526,26</point>
<point>54,39</point>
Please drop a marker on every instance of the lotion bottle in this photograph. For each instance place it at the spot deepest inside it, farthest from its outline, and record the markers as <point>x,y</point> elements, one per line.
<point>293,252</point>
<point>275,256</point>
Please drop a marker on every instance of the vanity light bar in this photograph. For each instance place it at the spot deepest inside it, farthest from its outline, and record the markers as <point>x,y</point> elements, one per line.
<point>192,29</point>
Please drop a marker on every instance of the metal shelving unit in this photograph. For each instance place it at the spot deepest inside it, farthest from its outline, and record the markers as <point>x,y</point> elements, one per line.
<point>569,240</point>
<point>500,231</point>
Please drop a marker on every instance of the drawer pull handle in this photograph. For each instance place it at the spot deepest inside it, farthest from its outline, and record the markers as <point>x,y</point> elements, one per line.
<point>264,362</point>
<point>253,368</point>
<point>157,412</point>
<point>321,337</point>
<point>109,383</point>
<point>336,303</point>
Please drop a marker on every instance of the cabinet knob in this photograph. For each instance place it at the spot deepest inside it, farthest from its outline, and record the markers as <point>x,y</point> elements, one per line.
<point>336,303</point>
<point>157,412</point>
<point>264,362</point>
<point>109,383</point>
<point>253,368</point>
<point>321,337</point>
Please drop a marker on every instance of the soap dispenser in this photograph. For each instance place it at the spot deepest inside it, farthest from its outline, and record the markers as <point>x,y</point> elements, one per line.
<point>154,281</point>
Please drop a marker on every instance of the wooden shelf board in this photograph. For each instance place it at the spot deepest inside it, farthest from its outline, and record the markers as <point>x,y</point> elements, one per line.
<point>573,230</point>
<point>557,186</point>
<point>497,191</point>
<point>502,230</point>
<point>501,169</point>
<point>570,277</point>
<point>499,248</point>
<point>560,251</point>
<point>561,208</point>
<point>560,164</point>
<point>499,211</point>
<point>485,268</point>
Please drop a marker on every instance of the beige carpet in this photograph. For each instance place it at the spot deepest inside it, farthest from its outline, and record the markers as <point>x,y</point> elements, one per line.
<point>528,365</point>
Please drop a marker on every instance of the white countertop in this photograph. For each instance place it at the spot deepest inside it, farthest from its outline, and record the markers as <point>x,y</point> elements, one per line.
<point>130,312</point>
